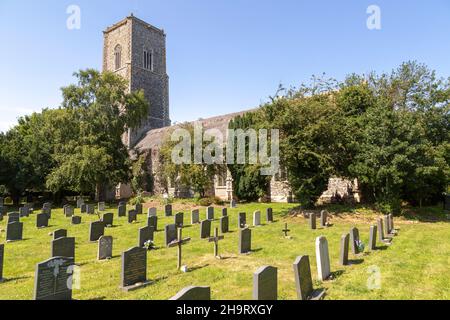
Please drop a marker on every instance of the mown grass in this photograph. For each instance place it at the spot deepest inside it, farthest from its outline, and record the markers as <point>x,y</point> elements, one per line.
<point>415,266</point>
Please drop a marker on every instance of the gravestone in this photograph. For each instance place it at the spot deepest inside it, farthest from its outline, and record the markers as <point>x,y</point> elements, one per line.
<point>303,280</point>
<point>14,231</point>
<point>224,224</point>
<point>108,219</point>
<point>354,240</point>
<point>152,221</point>
<point>256,218</point>
<point>168,210</point>
<point>205,229</point>
<point>122,210</point>
<point>242,220</point>
<point>63,247</point>
<point>170,234</point>
<point>151,212</point>
<point>286,230</point>
<point>132,216</point>
<point>323,218</point>
<point>312,221</point>
<point>380,230</point>
<point>387,227</point>
<point>343,257</point>
<point>24,212</point>
<point>373,238</point>
<point>76,220</point>
<point>224,212</point>
<point>41,220</point>
<point>60,233</point>
<point>2,255</point>
<point>138,208</point>
<point>48,212</point>
<point>269,215</point>
<point>391,223</point>
<point>47,205</point>
<point>233,204</point>
<point>80,202</point>
<point>13,217</point>
<point>245,241</point>
<point>210,213</point>
<point>101,206</point>
<point>68,211</point>
<point>179,219</point>
<point>105,245</point>
<point>83,208</point>
<point>265,284</point>
<point>216,240</point>
<point>323,258</point>
<point>134,269</point>
<point>195,216</point>
<point>179,244</point>
<point>90,209</point>
<point>96,230</point>
<point>193,293</point>
<point>145,234</point>
<point>52,277</point>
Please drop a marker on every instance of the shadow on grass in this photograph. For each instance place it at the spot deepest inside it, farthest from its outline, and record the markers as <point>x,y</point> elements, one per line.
<point>6,280</point>
<point>336,274</point>
<point>355,262</point>
<point>256,250</point>
<point>198,268</point>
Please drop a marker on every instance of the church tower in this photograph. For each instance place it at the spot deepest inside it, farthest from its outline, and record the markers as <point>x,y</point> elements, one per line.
<point>136,50</point>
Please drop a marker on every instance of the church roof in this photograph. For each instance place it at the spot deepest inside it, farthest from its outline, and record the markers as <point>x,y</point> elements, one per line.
<point>153,139</point>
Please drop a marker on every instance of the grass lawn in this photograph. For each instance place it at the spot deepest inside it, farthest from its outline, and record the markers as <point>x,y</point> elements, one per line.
<point>415,266</point>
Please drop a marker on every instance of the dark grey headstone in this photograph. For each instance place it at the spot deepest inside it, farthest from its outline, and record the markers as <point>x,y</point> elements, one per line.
<point>210,213</point>
<point>76,220</point>
<point>205,229</point>
<point>24,212</point>
<point>83,208</point>
<point>195,216</point>
<point>138,208</point>
<point>323,218</point>
<point>224,212</point>
<point>343,257</point>
<point>90,209</point>
<point>145,234</point>
<point>13,217</point>
<point>60,233</point>
<point>224,224</point>
<point>41,220</point>
<point>2,255</point>
<point>233,204</point>
<point>242,220</point>
<point>269,215</point>
<point>132,216</point>
<point>303,280</point>
<point>52,279</point>
<point>265,284</point>
<point>122,210</point>
<point>170,233</point>
<point>245,241</point>
<point>108,219</point>
<point>312,221</point>
<point>168,210</point>
<point>96,230</point>
<point>80,202</point>
<point>354,239</point>
<point>152,221</point>
<point>134,268</point>
<point>373,238</point>
<point>68,211</point>
<point>193,293</point>
<point>105,245</point>
<point>179,219</point>
<point>47,211</point>
<point>152,212</point>
<point>47,205</point>
<point>63,247</point>
<point>14,231</point>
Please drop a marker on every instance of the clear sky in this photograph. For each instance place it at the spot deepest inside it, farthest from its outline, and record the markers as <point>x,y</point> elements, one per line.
<point>223,55</point>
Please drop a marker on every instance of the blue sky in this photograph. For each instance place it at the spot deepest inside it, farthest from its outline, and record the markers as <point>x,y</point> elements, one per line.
<point>223,55</point>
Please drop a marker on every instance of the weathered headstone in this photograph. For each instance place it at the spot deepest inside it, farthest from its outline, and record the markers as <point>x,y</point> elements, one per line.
<point>138,208</point>
<point>52,279</point>
<point>47,205</point>
<point>101,206</point>
<point>134,269</point>
<point>2,255</point>
<point>108,219</point>
<point>242,220</point>
<point>96,230</point>
<point>224,224</point>
<point>170,233</point>
<point>179,219</point>
<point>105,245</point>
<point>122,210</point>
<point>354,240</point>
<point>132,216</point>
<point>373,238</point>
<point>224,212</point>
<point>63,247</point>
<point>80,202</point>
<point>14,231</point>
<point>24,212</point>
<point>233,204</point>
<point>76,220</point>
<point>193,293</point>
<point>68,211</point>
<point>41,220</point>
<point>303,280</point>
<point>13,217</point>
<point>205,229</point>
<point>151,212</point>
<point>145,234</point>
<point>323,218</point>
<point>312,221</point>
<point>60,233</point>
<point>265,284</point>
<point>245,241</point>
<point>323,258</point>
<point>152,221</point>
<point>387,227</point>
<point>343,257</point>
<point>391,223</point>
<point>83,208</point>
<point>210,213</point>
<point>168,210</point>
<point>256,218</point>
<point>380,230</point>
<point>90,209</point>
<point>269,215</point>
<point>195,216</point>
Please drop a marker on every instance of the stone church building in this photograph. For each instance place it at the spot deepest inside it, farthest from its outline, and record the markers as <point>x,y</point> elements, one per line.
<point>136,50</point>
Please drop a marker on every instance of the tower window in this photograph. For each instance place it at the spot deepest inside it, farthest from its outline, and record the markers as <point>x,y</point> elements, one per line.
<point>148,60</point>
<point>118,57</point>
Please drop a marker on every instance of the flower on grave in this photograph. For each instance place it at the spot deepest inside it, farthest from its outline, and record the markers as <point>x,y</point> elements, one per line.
<point>360,246</point>
<point>149,245</point>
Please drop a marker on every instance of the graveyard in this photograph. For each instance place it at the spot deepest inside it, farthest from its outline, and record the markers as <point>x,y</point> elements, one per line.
<point>412,266</point>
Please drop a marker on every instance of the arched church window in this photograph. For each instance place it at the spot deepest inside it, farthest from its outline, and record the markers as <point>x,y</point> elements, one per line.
<point>118,57</point>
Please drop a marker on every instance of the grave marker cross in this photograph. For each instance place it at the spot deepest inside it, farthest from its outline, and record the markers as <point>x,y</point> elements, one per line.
<point>216,240</point>
<point>179,243</point>
<point>286,230</point>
